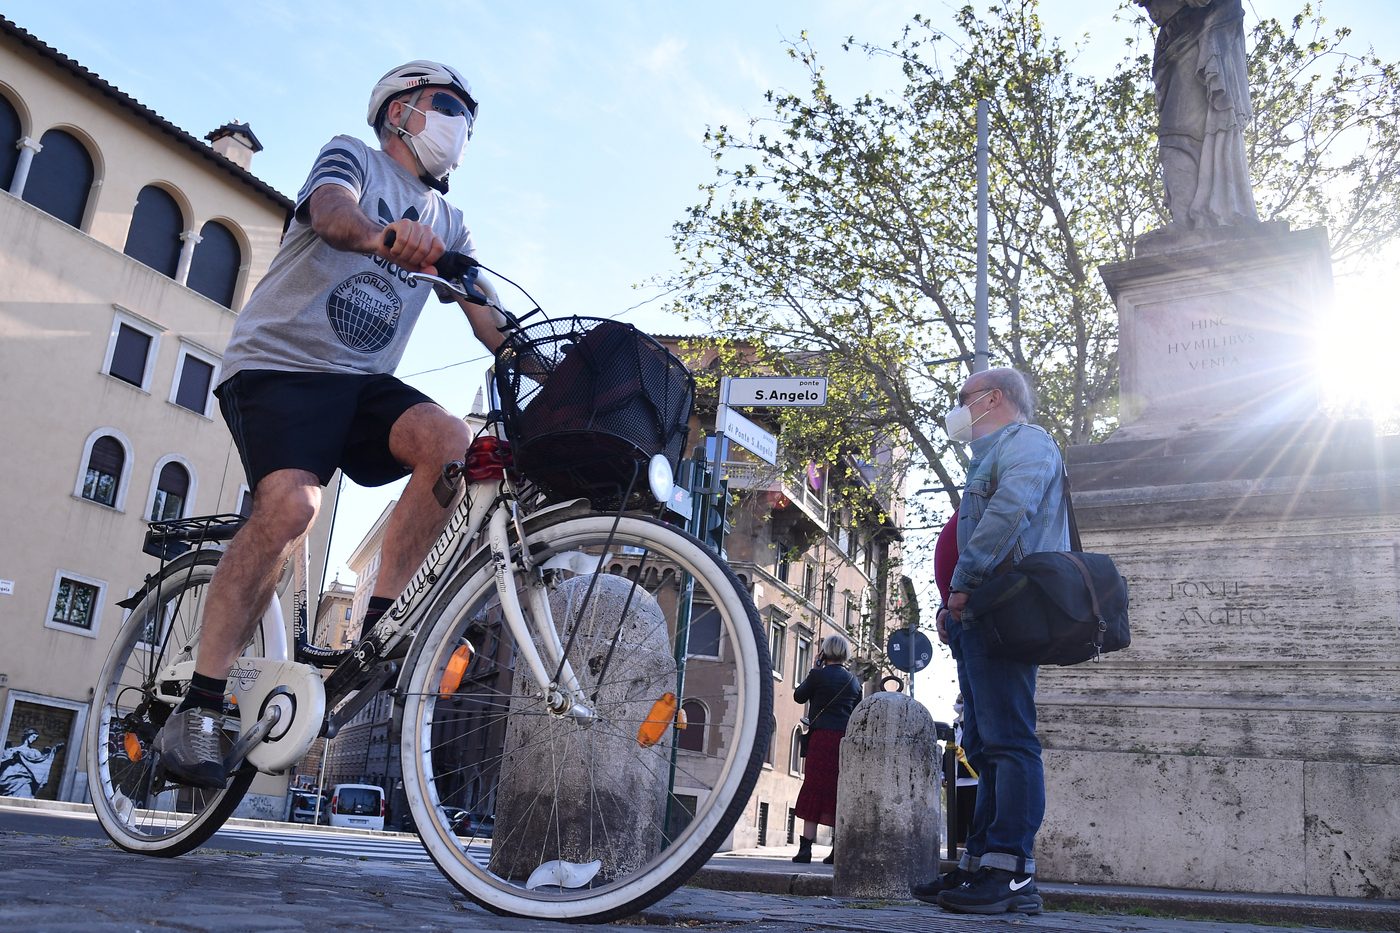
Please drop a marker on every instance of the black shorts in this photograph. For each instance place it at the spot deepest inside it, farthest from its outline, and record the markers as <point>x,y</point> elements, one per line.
<point>316,422</point>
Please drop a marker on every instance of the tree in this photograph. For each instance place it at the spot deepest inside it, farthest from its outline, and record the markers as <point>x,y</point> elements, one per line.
<point>838,237</point>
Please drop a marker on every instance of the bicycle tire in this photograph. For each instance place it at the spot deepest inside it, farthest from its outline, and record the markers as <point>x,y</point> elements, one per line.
<point>179,818</point>
<point>733,739</point>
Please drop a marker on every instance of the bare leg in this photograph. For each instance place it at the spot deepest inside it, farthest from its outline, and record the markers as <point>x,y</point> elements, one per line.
<point>809,829</point>
<point>424,438</point>
<point>284,506</point>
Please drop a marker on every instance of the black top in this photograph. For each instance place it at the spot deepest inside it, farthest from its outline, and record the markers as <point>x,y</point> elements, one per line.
<point>833,692</point>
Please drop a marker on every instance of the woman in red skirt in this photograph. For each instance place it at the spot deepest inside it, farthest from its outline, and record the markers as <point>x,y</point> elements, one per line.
<point>831,693</point>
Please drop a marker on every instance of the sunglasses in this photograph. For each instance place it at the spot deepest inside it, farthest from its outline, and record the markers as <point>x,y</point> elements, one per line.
<point>449,106</point>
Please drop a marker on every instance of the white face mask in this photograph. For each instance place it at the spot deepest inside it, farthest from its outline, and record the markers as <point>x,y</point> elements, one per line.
<point>958,422</point>
<point>440,144</point>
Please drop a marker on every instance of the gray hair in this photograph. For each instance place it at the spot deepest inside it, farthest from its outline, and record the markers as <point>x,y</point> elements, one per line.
<point>1015,386</point>
<point>836,648</point>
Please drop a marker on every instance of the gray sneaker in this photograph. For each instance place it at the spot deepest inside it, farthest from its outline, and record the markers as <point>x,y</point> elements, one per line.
<point>191,749</point>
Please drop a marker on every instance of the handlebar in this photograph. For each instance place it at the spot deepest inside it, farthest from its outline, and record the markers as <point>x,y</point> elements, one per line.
<point>455,274</point>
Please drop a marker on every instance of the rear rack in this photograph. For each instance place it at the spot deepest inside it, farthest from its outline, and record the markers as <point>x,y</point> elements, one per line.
<point>169,539</point>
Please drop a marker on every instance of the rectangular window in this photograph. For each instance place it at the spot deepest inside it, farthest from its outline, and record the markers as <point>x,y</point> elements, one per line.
<point>129,355</point>
<point>829,603</point>
<point>809,582</point>
<point>75,603</point>
<point>783,565</point>
<point>777,643</point>
<point>804,654</point>
<point>852,615</point>
<point>196,381</point>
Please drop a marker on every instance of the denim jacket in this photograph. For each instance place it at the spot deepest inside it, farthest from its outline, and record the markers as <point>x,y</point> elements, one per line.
<point>1013,503</point>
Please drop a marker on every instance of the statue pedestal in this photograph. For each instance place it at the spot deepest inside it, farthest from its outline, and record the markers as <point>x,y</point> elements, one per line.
<point>1219,330</point>
<point>1249,739</point>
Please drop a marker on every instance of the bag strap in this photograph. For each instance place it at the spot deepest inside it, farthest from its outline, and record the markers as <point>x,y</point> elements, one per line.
<point>1074,543</point>
<point>852,679</point>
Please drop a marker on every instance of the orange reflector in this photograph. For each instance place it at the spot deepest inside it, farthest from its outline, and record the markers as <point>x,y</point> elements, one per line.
<point>132,745</point>
<point>456,670</point>
<point>681,720</point>
<point>663,713</point>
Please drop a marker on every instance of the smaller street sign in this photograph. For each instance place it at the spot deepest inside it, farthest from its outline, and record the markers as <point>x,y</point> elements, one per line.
<point>7,587</point>
<point>778,391</point>
<point>751,437</point>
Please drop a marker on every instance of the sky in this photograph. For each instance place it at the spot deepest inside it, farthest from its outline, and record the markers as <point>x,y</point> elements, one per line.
<point>589,142</point>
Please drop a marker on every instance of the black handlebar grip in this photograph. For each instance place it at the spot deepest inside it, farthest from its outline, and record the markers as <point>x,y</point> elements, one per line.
<point>452,265</point>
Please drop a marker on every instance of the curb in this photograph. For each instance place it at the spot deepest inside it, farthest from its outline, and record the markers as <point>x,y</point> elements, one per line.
<point>1292,910</point>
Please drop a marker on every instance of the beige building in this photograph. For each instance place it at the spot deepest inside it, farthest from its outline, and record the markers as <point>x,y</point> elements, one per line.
<point>127,247</point>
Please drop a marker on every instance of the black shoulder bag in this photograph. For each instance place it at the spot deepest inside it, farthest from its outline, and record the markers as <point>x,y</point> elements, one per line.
<point>1055,607</point>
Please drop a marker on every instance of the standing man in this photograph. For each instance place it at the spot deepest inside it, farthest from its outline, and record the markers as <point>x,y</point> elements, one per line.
<point>307,386</point>
<point>1013,505</point>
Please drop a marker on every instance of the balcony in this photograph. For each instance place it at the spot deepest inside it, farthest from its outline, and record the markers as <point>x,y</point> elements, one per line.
<point>756,476</point>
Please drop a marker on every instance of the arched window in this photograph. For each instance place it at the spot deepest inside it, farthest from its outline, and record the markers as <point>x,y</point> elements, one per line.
<point>214,270</point>
<point>102,482</point>
<point>154,235</point>
<point>692,737</point>
<point>796,763</point>
<point>10,132</point>
<point>172,492</point>
<point>60,178</point>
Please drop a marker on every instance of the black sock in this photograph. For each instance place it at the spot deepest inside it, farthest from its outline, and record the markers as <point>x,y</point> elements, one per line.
<point>378,605</point>
<point>206,693</point>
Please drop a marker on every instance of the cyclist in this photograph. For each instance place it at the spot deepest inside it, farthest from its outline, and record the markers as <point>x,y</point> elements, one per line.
<point>308,385</point>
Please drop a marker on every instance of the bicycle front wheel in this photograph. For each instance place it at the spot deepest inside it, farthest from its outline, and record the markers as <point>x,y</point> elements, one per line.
<point>537,813</point>
<point>137,807</point>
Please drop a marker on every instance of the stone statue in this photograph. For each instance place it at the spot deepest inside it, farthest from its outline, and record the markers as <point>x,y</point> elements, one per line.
<point>1202,107</point>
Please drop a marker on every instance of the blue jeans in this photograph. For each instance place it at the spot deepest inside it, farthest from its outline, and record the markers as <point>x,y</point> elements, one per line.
<point>1000,741</point>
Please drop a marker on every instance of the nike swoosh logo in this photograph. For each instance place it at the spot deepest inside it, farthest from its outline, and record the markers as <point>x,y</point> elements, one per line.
<point>1018,885</point>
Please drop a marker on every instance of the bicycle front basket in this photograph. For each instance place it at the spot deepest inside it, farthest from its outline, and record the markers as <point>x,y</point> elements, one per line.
<point>587,400</point>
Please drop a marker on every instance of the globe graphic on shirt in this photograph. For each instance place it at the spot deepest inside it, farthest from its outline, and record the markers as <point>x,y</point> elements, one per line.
<point>364,312</point>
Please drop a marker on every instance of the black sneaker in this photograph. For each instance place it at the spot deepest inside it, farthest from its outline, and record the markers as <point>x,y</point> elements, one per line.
<point>191,749</point>
<point>994,891</point>
<point>929,890</point>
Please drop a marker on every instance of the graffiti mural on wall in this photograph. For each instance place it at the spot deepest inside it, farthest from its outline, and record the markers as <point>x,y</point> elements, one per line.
<point>35,751</point>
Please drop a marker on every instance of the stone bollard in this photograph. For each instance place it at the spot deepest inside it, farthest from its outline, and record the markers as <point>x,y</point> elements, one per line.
<point>887,800</point>
<point>560,811</point>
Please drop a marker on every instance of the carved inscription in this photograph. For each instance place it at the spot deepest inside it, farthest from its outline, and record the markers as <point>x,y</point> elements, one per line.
<point>1207,348</point>
<point>1216,602</point>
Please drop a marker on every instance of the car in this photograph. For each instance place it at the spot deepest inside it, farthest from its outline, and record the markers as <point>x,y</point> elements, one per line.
<point>358,806</point>
<point>310,807</point>
<point>483,825</point>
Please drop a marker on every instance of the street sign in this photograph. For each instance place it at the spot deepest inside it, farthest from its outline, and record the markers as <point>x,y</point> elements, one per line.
<point>7,587</point>
<point>778,391</point>
<point>909,650</point>
<point>751,437</point>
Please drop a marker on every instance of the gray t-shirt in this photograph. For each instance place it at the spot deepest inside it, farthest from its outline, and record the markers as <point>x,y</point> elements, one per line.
<point>320,309</point>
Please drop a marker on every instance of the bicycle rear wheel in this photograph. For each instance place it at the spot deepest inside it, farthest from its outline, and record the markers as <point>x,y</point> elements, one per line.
<point>589,820</point>
<point>140,810</point>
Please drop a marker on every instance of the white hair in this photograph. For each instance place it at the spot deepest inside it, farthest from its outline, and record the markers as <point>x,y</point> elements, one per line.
<point>836,648</point>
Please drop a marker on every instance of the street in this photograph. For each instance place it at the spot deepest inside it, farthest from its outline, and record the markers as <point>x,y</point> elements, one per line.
<point>61,874</point>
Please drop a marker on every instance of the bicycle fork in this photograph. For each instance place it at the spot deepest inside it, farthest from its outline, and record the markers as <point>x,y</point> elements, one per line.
<point>563,695</point>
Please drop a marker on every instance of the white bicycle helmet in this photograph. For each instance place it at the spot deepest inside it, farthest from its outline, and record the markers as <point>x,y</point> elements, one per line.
<point>417,74</point>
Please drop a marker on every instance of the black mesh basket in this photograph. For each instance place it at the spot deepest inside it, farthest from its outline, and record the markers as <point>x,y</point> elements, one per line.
<point>587,401</point>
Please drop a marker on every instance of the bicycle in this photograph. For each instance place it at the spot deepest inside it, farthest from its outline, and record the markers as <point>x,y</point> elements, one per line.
<point>538,660</point>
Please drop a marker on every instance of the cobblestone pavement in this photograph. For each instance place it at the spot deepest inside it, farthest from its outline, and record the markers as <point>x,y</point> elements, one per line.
<point>53,884</point>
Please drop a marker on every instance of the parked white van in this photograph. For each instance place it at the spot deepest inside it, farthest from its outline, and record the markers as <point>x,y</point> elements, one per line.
<point>358,805</point>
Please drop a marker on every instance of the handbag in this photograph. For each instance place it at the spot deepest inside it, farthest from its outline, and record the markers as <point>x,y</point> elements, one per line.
<point>1055,607</point>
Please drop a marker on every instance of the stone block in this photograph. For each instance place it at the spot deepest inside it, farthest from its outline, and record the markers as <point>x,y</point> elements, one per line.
<point>549,800</point>
<point>1206,823</point>
<point>888,809</point>
<point>1352,843</point>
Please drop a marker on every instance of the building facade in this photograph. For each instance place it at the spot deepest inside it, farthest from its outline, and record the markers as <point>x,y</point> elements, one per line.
<point>127,247</point>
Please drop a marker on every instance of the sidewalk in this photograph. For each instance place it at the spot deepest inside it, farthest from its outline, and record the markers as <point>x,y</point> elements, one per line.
<point>55,883</point>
